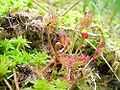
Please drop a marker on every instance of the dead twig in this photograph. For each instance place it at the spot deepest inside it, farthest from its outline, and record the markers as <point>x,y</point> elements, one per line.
<point>66,11</point>
<point>7,83</point>
<point>104,60</point>
<point>34,1</point>
<point>110,67</point>
<point>16,80</point>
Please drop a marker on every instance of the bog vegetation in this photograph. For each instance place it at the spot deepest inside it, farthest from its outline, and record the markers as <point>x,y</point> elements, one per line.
<point>59,45</point>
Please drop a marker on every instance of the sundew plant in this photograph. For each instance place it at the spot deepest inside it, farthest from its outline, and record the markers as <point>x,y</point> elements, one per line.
<point>59,45</point>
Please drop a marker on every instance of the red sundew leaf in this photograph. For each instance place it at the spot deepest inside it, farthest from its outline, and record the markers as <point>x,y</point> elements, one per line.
<point>58,45</point>
<point>49,18</point>
<point>52,22</point>
<point>85,35</point>
<point>83,58</point>
<point>68,61</point>
<point>86,21</point>
<point>63,37</point>
<point>51,31</point>
<point>64,59</point>
<point>98,51</point>
<point>65,40</point>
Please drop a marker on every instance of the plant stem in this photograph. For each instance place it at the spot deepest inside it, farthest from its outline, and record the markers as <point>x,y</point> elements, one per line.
<point>34,1</point>
<point>70,46</point>
<point>110,67</point>
<point>49,42</point>
<point>52,62</point>
<point>7,83</point>
<point>78,48</point>
<point>87,65</point>
<point>70,8</point>
<point>16,80</point>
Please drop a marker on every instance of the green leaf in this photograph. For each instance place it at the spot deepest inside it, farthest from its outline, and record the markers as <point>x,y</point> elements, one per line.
<point>116,9</point>
<point>5,46</point>
<point>29,3</point>
<point>19,42</point>
<point>86,2</point>
<point>41,85</point>
<point>60,85</point>
<point>77,63</point>
<point>26,57</point>
<point>40,58</point>
<point>16,56</point>
<point>5,62</point>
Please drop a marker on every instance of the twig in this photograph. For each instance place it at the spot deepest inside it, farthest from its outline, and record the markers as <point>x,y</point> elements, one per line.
<point>34,1</point>
<point>73,86</point>
<point>10,76</point>
<point>115,50</point>
<point>7,83</point>
<point>77,31</point>
<point>16,81</point>
<point>104,60</point>
<point>70,8</point>
<point>9,21</point>
<point>52,62</point>
<point>87,65</point>
<point>93,79</point>
<point>110,67</point>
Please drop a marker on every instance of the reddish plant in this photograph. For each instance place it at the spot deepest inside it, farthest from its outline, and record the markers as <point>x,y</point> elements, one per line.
<point>84,35</point>
<point>83,46</point>
<point>86,21</point>
<point>51,28</point>
<point>66,61</point>
<point>58,45</point>
<point>65,40</point>
<point>52,23</point>
<point>69,62</point>
<point>98,51</point>
<point>64,44</point>
<point>84,59</point>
